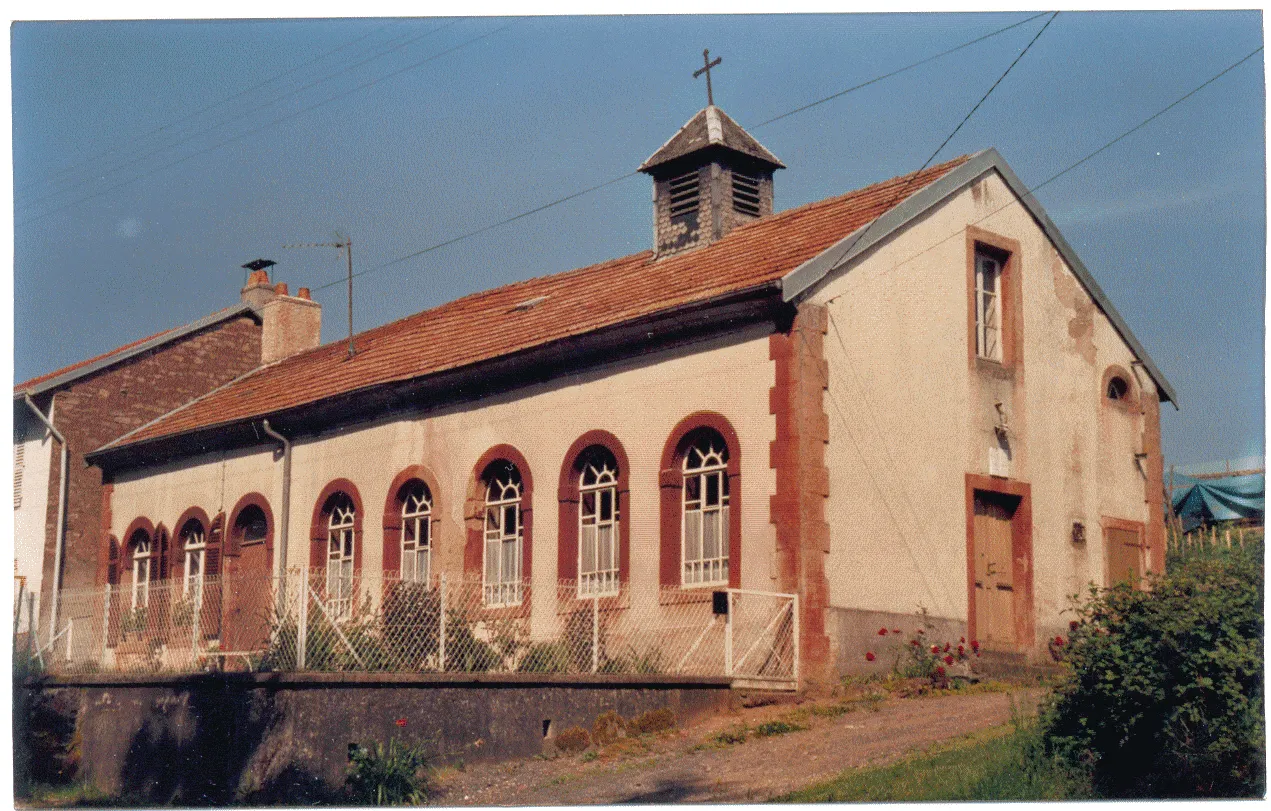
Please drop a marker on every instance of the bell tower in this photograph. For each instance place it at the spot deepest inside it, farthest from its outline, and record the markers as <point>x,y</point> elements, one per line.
<point>708,179</point>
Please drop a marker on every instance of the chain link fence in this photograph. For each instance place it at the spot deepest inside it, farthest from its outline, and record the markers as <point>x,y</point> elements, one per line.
<point>312,621</point>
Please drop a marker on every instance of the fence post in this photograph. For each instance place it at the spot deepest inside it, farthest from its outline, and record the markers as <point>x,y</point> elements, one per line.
<point>728,636</point>
<point>595,633</point>
<point>794,609</point>
<point>441,623</point>
<point>302,626</point>
<point>70,635</point>
<point>197,607</point>
<point>105,623</point>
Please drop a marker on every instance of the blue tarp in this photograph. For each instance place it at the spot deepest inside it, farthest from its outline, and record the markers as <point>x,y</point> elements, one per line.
<point>1204,501</point>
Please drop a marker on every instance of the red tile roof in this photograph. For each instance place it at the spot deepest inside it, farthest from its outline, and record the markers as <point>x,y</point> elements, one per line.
<point>486,325</point>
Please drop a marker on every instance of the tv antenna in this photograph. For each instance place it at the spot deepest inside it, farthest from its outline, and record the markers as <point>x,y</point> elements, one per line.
<point>345,244</point>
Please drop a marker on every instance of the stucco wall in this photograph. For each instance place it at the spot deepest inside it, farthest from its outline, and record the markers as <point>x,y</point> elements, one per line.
<point>28,517</point>
<point>639,401</point>
<point>910,416</point>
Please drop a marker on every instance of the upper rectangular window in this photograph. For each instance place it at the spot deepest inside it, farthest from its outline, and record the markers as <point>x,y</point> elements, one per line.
<point>988,306</point>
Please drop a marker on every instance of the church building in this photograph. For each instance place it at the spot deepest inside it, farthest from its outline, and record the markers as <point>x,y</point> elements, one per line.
<point>911,397</point>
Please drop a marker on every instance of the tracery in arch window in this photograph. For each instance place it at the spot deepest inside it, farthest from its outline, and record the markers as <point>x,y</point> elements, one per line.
<point>341,522</point>
<point>598,527</point>
<point>141,560</point>
<point>704,549</point>
<point>416,532</point>
<point>194,545</point>
<point>503,537</point>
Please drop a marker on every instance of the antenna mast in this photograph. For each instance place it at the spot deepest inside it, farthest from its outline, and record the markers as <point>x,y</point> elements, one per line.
<point>345,244</point>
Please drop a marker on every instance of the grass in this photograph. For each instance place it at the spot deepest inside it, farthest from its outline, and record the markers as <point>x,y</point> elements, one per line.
<point>995,764</point>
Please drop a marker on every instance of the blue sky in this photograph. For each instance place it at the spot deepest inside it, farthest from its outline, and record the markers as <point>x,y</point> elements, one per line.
<point>150,162</point>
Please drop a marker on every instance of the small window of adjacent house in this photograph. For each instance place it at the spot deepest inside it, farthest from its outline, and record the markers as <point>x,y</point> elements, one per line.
<point>684,194</point>
<point>988,307</point>
<point>745,194</point>
<point>1118,389</point>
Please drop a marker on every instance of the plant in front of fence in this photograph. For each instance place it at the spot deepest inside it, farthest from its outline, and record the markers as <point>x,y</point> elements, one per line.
<point>388,774</point>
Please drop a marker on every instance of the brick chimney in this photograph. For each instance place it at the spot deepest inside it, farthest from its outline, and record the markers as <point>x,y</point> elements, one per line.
<point>289,324</point>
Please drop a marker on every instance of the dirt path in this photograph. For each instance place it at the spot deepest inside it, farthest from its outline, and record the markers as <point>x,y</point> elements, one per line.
<point>690,766</point>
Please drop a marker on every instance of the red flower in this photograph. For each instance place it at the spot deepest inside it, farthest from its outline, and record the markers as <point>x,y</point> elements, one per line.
<point>946,647</point>
<point>939,670</point>
<point>882,632</point>
<point>1073,625</point>
<point>913,642</point>
<point>895,631</point>
<point>935,648</point>
<point>975,645</point>
<point>1059,640</point>
<point>961,650</point>
<point>869,656</point>
<point>948,660</point>
<point>962,639</point>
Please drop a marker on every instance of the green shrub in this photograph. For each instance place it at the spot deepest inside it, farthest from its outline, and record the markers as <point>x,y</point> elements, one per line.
<point>1164,696</point>
<point>546,657</point>
<point>393,774</point>
<point>573,740</point>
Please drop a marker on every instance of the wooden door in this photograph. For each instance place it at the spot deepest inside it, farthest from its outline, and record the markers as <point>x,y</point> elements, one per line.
<point>994,571</point>
<point>249,599</point>
<point>1125,555</point>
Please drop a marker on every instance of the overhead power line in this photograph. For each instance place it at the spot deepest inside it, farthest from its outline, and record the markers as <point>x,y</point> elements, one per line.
<point>263,127</point>
<point>904,190</point>
<point>620,178</point>
<point>99,175</point>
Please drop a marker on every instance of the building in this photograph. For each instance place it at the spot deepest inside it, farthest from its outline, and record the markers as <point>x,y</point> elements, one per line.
<point>912,396</point>
<point>97,400</point>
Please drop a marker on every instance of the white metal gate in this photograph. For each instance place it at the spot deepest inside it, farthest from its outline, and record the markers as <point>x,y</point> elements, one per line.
<point>761,640</point>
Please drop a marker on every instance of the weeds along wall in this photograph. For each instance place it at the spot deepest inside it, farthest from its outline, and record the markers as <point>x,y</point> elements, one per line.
<point>272,739</point>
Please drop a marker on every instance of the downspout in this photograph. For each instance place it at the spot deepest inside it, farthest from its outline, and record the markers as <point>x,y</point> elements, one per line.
<point>286,495</point>
<point>63,486</point>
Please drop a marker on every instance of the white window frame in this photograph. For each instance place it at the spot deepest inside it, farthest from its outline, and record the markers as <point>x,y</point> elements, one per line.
<point>988,306</point>
<point>598,534</point>
<point>341,538</point>
<point>501,572</point>
<point>194,544</point>
<point>142,556</point>
<point>705,465</point>
<point>417,534</point>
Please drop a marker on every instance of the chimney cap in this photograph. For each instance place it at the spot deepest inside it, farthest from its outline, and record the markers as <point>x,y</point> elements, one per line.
<point>259,264</point>
<point>304,294</point>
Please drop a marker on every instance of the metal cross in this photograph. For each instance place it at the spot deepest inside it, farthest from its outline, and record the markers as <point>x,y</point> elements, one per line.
<point>706,58</point>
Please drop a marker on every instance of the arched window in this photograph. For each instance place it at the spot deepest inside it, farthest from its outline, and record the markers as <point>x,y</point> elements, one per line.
<point>194,545</point>
<point>141,563</point>
<point>341,524</point>
<point>705,526</point>
<point>251,526</point>
<point>503,535</point>
<point>416,532</point>
<point>1117,389</point>
<point>598,523</point>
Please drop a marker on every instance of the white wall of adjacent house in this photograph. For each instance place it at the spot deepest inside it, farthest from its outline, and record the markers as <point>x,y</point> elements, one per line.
<point>909,417</point>
<point>639,401</point>
<point>33,449</point>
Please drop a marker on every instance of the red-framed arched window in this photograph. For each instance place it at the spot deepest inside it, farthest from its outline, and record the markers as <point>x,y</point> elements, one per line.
<point>336,543</point>
<point>700,491</point>
<point>594,537</point>
<point>410,524</point>
<point>499,526</point>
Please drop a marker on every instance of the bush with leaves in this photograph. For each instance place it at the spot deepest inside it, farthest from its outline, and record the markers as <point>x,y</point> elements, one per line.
<point>392,774</point>
<point>1164,696</point>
